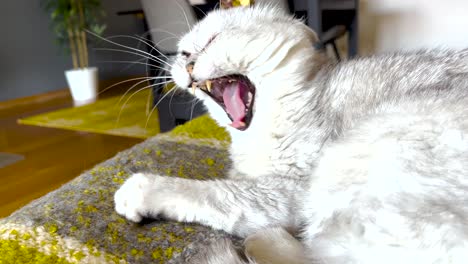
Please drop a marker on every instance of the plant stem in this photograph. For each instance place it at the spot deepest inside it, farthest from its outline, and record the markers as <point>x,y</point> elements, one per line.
<point>83,34</point>
<point>77,34</point>
<point>72,45</point>
<point>79,43</point>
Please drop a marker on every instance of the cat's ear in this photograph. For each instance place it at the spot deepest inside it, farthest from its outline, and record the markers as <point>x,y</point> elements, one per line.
<point>311,35</point>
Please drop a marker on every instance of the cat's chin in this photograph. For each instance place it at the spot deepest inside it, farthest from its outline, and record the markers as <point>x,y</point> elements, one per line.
<point>235,94</point>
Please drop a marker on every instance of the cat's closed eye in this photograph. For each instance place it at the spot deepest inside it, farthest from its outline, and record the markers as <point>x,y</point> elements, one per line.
<point>186,54</point>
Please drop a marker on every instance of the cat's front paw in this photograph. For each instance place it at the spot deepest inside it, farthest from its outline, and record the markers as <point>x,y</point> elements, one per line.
<point>130,198</point>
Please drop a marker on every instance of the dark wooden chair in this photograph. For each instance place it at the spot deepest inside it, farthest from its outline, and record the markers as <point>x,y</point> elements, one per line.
<point>331,19</point>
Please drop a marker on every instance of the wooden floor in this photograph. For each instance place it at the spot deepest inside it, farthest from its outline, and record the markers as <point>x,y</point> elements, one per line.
<point>52,157</point>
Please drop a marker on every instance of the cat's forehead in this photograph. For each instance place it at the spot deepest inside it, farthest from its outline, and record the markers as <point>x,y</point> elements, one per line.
<point>213,24</point>
<point>224,20</point>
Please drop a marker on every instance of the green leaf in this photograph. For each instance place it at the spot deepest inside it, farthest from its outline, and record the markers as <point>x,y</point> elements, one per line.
<point>63,15</point>
<point>98,29</point>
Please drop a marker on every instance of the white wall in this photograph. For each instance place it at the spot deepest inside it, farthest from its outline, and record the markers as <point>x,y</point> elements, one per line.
<point>391,25</point>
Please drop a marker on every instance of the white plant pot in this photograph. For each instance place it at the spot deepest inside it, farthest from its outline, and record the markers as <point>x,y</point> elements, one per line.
<point>83,84</point>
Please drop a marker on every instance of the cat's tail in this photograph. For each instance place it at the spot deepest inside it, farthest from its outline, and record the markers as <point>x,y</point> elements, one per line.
<point>270,245</point>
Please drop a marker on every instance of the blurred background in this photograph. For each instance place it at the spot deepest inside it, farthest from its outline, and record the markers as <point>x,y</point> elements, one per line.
<point>30,62</point>
<point>392,25</point>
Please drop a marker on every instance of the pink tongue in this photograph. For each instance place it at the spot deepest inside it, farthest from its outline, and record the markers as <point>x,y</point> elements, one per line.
<point>234,105</point>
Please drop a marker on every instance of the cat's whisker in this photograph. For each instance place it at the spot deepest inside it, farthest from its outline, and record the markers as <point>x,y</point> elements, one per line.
<point>155,46</point>
<point>135,63</point>
<point>194,102</point>
<point>159,30</point>
<point>165,94</point>
<point>194,99</point>
<point>137,38</point>
<point>138,52</point>
<point>139,61</point>
<point>150,45</point>
<point>128,90</point>
<point>152,78</point>
<point>131,96</point>
<point>172,35</point>
<point>165,39</point>
<point>164,55</point>
<point>148,115</point>
<point>184,13</point>
<point>128,80</point>
<point>153,58</point>
<point>199,9</point>
<point>170,100</point>
<point>157,103</point>
<point>148,103</point>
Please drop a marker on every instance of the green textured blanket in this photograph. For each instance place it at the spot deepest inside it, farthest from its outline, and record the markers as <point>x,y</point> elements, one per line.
<point>77,223</point>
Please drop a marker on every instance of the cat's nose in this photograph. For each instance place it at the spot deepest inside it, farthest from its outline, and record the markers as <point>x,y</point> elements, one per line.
<point>189,67</point>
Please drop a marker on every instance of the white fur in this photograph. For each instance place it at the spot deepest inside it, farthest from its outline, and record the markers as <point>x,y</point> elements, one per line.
<point>368,157</point>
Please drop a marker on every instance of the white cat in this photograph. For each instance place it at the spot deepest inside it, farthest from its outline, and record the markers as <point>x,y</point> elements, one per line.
<point>366,160</point>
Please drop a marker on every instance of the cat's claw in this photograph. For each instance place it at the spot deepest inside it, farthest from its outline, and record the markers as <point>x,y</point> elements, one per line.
<point>129,199</point>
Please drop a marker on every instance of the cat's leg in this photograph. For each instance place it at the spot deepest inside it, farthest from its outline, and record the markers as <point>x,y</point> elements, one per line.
<point>274,245</point>
<point>237,207</point>
<point>221,252</point>
<point>268,246</point>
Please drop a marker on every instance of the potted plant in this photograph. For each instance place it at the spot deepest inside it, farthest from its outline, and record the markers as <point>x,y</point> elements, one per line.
<point>70,19</point>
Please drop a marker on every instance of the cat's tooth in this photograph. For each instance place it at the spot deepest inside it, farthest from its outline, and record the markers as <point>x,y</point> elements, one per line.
<point>194,85</point>
<point>242,124</point>
<point>208,85</point>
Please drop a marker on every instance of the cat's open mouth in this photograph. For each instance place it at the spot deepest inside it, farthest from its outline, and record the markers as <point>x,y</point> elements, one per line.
<point>235,94</point>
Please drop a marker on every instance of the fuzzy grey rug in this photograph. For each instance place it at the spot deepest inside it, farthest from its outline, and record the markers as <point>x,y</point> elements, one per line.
<point>77,223</point>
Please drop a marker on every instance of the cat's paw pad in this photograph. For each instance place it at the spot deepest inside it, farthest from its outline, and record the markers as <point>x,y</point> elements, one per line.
<point>130,198</point>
